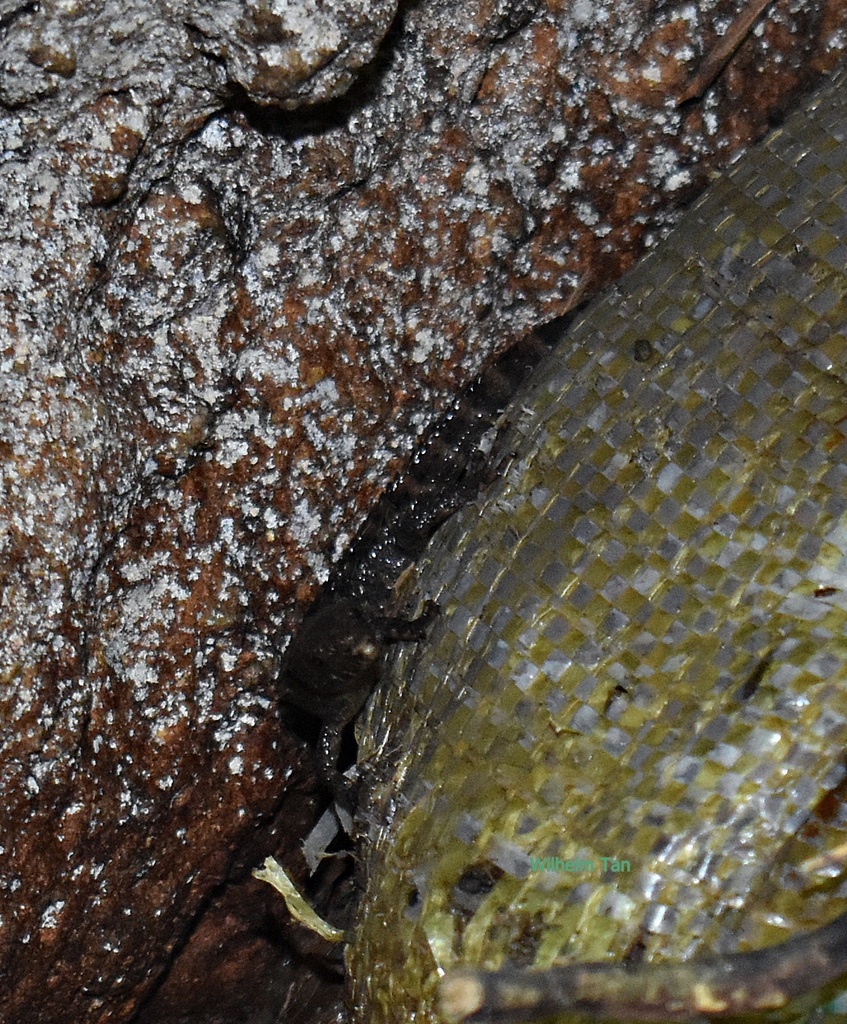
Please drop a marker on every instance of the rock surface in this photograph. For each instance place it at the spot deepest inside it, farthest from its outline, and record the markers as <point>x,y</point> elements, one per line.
<point>223,323</point>
<point>292,53</point>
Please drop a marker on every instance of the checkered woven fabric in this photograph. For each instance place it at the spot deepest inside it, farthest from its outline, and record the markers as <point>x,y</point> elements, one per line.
<point>627,734</point>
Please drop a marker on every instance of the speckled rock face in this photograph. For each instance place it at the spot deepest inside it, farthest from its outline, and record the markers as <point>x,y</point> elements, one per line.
<point>290,53</point>
<point>223,323</point>
<point>625,737</point>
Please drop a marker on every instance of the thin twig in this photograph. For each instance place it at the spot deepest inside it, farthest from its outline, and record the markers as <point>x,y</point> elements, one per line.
<point>712,988</point>
<point>728,43</point>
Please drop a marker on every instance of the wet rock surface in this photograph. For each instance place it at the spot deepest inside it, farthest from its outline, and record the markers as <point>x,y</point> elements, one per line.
<point>291,53</point>
<point>224,322</point>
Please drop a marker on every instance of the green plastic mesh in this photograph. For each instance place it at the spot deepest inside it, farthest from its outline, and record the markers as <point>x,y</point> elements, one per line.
<point>641,654</point>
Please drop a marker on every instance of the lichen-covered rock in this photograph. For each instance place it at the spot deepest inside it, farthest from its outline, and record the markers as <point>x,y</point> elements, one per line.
<point>289,53</point>
<point>223,323</point>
